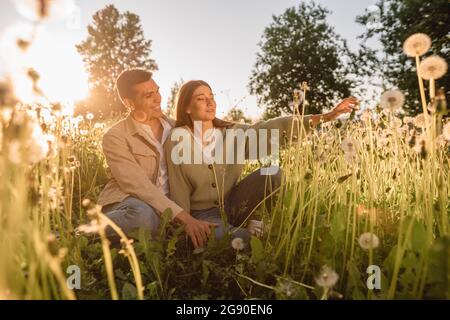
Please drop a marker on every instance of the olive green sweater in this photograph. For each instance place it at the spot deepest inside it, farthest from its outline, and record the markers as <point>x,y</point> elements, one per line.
<point>203,186</point>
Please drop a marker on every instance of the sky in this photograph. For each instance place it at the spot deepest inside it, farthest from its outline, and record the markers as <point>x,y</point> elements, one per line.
<point>212,40</point>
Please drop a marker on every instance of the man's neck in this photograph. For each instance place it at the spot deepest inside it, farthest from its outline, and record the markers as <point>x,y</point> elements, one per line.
<point>156,127</point>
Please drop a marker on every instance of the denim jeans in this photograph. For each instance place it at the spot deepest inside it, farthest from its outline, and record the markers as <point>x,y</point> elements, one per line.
<point>241,202</point>
<point>132,213</point>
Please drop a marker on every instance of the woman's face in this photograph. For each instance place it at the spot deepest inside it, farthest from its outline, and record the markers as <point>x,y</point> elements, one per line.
<point>203,105</point>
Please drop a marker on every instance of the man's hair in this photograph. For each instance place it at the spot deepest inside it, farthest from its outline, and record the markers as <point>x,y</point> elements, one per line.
<point>129,78</point>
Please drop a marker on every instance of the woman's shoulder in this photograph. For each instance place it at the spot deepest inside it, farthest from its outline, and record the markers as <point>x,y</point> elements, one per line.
<point>176,134</point>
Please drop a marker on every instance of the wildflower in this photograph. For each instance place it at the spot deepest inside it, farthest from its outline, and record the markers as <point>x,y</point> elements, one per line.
<point>15,153</point>
<point>417,44</point>
<point>84,132</point>
<point>44,9</point>
<point>38,146</point>
<point>396,123</point>
<point>351,157</point>
<point>6,114</point>
<point>433,67</point>
<point>86,202</point>
<point>368,241</point>
<point>382,142</point>
<point>327,277</point>
<point>366,115</point>
<point>392,100</point>
<point>349,145</point>
<point>407,120</point>
<point>419,120</point>
<point>441,142</point>
<point>446,131</point>
<point>89,116</point>
<point>286,288</point>
<point>237,244</point>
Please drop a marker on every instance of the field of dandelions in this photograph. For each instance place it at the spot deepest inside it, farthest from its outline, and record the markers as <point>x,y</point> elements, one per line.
<point>368,193</point>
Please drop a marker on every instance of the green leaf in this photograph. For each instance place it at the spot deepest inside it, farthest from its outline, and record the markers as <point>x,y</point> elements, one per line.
<point>257,249</point>
<point>129,291</point>
<point>419,237</point>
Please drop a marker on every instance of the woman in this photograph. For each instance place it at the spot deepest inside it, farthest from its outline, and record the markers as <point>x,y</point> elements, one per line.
<point>209,188</point>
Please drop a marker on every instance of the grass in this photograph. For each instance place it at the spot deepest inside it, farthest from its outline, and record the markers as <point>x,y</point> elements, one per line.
<point>388,185</point>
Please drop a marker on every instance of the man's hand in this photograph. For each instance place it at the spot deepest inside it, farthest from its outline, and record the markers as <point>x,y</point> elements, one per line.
<point>197,230</point>
<point>345,106</point>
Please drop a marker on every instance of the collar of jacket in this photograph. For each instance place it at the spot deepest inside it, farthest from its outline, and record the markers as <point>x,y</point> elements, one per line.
<point>133,129</point>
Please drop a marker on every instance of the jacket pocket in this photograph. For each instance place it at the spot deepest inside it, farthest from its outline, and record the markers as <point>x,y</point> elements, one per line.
<point>147,159</point>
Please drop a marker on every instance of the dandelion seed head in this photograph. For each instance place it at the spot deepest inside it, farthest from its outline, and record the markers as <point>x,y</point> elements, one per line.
<point>237,244</point>
<point>349,145</point>
<point>446,131</point>
<point>419,120</point>
<point>392,100</point>
<point>368,241</point>
<point>15,152</point>
<point>417,44</point>
<point>327,277</point>
<point>49,10</point>
<point>86,202</point>
<point>433,67</point>
<point>352,158</point>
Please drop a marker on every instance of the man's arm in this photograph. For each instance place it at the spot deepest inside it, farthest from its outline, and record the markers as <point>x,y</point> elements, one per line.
<point>131,177</point>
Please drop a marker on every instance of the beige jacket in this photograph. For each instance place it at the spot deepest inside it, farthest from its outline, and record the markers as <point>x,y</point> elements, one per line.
<point>203,186</point>
<point>133,167</point>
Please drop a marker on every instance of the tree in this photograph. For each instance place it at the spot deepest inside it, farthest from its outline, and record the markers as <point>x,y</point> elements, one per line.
<point>393,21</point>
<point>171,102</point>
<point>300,46</point>
<point>115,42</point>
<point>237,115</point>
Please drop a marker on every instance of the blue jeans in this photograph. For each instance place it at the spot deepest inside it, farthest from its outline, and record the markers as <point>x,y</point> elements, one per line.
<point>130,215</point>
<point>213,215</point>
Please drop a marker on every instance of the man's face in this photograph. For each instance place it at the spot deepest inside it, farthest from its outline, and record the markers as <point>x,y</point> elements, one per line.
<point>148,99</point>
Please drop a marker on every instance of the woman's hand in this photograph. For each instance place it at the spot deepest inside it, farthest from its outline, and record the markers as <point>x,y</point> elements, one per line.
<point>345,106</point>
<point>197,230</point>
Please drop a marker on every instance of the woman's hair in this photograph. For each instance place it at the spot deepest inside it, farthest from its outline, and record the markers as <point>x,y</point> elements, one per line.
<point>184,98</point>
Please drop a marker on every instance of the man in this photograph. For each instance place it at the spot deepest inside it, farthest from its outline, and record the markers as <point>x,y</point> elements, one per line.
<point>136,195</point>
